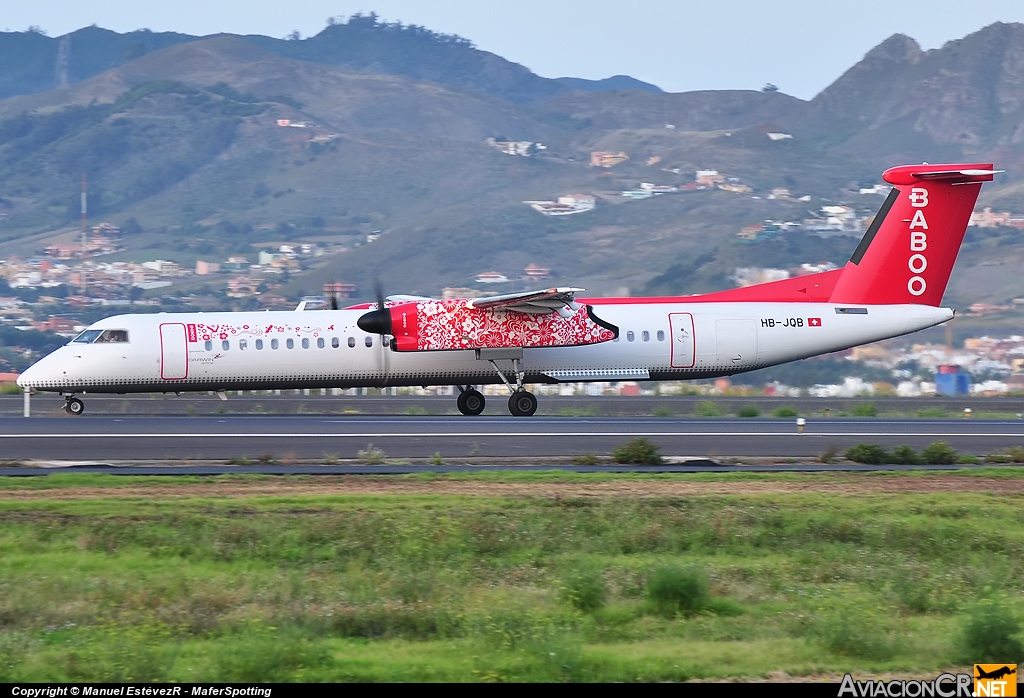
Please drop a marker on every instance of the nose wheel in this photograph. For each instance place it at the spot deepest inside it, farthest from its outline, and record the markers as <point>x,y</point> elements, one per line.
<point>471,402</point>
<point>522,403</point>
<point>74,406</point>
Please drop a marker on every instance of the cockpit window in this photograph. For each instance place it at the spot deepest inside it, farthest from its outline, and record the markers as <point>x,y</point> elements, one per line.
<point>87,337</point>
<point>113,336</point>
<point>102,337</point>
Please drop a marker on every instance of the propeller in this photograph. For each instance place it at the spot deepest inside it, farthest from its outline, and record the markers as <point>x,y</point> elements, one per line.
<point>331,290</point>
<point>377,321</point>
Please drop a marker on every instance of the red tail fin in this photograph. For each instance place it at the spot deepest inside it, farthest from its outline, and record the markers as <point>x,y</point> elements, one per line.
<point>907,254</point>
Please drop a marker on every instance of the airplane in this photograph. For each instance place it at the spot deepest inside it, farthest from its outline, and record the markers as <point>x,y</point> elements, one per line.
<point>891,286</point>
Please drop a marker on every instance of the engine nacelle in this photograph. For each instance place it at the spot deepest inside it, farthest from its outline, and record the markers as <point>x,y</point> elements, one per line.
<point>439,325</point>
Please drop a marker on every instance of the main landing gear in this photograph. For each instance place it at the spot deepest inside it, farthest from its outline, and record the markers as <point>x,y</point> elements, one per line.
<point>521,403</point>
<point>471,402</point>
<point>73,406</point>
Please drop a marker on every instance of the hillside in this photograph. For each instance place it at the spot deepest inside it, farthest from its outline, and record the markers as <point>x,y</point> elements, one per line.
<point>183,140</point>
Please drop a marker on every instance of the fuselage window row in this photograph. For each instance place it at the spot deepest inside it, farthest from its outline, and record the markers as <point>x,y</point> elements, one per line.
<point>321,343</point>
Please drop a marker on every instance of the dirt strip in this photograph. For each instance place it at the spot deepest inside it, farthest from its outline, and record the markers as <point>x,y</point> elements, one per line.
<point>323,485</point>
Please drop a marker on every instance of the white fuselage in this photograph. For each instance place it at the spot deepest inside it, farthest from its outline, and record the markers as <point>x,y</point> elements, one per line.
<point>176,352</point>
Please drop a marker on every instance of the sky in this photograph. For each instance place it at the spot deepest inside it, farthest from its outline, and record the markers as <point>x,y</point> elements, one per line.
<point>799,45</point>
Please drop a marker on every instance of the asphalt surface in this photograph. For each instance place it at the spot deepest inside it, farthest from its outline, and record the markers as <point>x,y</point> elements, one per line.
<point>107,438</point>
<point>296,402</point>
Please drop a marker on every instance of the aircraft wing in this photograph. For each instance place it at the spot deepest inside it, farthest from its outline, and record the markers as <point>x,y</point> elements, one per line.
<point>552,300</point>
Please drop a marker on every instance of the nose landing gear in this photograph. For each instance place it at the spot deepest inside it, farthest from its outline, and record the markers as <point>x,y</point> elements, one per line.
<point>74,406</point>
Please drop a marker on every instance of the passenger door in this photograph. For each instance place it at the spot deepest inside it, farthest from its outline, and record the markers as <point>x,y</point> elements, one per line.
<point>173,351</point>
<point>681,327</point>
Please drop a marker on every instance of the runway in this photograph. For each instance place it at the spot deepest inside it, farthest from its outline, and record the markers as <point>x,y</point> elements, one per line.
<point>109,438</point>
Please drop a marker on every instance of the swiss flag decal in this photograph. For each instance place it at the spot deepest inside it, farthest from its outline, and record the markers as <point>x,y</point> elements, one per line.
<point>814,322</point>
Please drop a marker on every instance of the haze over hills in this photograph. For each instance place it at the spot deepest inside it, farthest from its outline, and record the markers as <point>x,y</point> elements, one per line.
<point>181,134</point>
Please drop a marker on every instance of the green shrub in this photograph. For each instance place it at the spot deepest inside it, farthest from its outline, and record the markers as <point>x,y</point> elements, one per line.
<point>829,454</point>
<point>865,409</point>
<point>785,412</point>
<point>938,453</point>
<point>932,412</point>
<point>857,633</point>
<point>872,454</point>
<point>674,590</point>
<point>998,458</point>
<point>10,389</point>
<point>904,455</point>
<point>585,589</point>
<point>967,459</point>
<point>371,455</point>
<point>637,451</point>
<point>1016,454</point>
<point>662,411</point>
<point>991,635</point>
<point>707,409</point>
<point>586,459</point>
<point>436,459</point>
<point>748,411</point>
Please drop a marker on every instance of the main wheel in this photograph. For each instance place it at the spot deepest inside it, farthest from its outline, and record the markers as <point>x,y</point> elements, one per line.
<point>471,403</point>
<point>522,404</point>
<point>74,406</point>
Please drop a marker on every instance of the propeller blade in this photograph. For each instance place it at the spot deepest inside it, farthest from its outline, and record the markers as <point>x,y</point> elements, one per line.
<point>377,321</point>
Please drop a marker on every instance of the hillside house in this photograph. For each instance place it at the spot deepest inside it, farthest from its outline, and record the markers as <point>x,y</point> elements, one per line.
<point>522,148</point>
<point>658,188</point>
<point>491,277</point>
<point>565,206</point>
<point>243,286</point>
<point>204,268</point>
<point>735,188</point>
<point>601,158</point>
<point>537,273</point>
<point>989,219</point>
<point>708,178</point>
<point>340,289</point>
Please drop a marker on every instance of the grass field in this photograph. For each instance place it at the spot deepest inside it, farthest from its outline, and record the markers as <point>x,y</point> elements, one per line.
<point>550,577</point>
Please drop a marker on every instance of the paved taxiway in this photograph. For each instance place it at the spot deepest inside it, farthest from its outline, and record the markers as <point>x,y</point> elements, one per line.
<point>102,438</point>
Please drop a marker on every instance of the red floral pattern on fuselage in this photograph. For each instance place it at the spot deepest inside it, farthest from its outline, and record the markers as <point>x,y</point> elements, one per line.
<point>453,324</point>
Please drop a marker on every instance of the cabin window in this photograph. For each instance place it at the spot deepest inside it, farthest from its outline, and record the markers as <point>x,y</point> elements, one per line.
<point>290,343</point>
<point>661,335</point>
<point>320,343</point>
<point>305,342</point>
<point>646,335</point>
<point>87,337</point>
<point>335,343</point>
<point>225,345</point>
<point>274,344</point>
<point>368,341</point>
<point>243,344</point>
<point>208,345</point>
<point>112,336</point>
<point>630,336</point>
<point>259,344</point>
<point>351,342</point>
